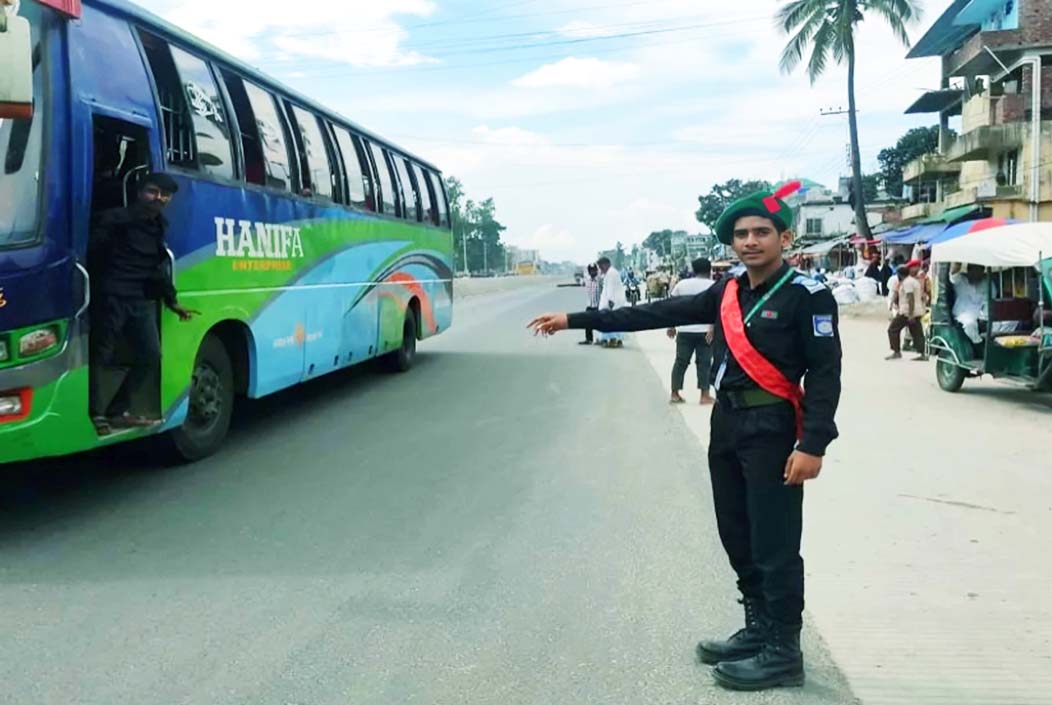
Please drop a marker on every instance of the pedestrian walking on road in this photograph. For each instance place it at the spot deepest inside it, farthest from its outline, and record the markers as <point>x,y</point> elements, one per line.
<point>908,298</point>
<point>693,340</point>
<point>611,297</point>
<point>773,327</point>
<point>592,286</point>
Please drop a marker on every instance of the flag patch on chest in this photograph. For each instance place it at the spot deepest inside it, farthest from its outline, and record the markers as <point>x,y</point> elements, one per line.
<point>823,326</point>
<point>769,315</point>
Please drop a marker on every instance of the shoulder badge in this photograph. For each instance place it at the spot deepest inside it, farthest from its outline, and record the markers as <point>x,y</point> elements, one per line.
<point>809,284</point>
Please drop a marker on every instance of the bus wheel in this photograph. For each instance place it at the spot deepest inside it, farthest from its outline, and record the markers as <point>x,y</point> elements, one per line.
<point>401,360</point>
<point>211,403</point>
<point>949,375</point>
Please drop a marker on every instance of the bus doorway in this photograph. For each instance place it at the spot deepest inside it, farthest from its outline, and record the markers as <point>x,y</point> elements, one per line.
<point>121,158</point>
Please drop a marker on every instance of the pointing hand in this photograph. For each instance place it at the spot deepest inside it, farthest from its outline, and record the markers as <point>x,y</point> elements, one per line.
<point>549,324</point>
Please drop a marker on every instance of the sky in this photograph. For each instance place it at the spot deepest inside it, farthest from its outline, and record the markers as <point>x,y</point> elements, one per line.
<point>588,121</point>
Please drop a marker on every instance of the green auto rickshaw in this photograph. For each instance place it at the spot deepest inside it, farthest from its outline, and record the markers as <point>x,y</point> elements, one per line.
<point>992,306</point>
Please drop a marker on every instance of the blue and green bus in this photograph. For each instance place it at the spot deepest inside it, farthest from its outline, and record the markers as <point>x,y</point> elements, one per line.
<point>307,243</point>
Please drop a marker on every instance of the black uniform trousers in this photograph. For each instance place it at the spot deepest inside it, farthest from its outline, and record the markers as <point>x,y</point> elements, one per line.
<point>133,320</point>
<point>589,334</point>
<point>688,345</point>
<point>758,516</point>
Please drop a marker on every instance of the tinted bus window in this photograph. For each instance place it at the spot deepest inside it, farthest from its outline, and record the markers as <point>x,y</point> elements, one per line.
<point>440,199</point>
<point>271,137</point>
<point>21,151</point>
<point>179,143</point>
<point>211,128</point>
<point>251,147</point>
<point>426,201</point>
<point>358,184</point>
<point>387,188</point>
<point>409,202</point>
<point>316,172</point>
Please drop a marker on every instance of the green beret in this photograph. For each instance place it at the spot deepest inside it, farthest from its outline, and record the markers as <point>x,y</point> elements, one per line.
<point>766,204</point>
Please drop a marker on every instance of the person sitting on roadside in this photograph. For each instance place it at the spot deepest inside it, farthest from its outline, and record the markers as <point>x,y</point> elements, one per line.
<point>969,305</point>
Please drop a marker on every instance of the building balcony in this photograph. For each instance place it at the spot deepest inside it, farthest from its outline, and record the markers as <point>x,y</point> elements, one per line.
<point>971,58</point>
<point>920,210</point>
<point>927,166</point>
<point>984,194</point>
<point>984,142</point>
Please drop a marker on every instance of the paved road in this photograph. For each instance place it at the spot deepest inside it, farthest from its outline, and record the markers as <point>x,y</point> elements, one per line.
<point>450,536</point>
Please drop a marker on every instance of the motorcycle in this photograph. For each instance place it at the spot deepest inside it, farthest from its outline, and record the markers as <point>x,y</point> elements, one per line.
<point>633,294</point>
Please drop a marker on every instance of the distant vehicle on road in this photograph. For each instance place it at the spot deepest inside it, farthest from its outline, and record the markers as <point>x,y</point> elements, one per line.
<point>578,277</point>
<point>527,268</point>
<point>308,243</point>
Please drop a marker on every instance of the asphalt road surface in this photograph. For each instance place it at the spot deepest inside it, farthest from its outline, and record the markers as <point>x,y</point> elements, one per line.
<point>514,521</point>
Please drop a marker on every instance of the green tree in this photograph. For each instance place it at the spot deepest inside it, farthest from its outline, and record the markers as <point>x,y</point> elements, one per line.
<point>459,220</point>
<point>660,241</point>
<point>871,187</point>
<point>712,205</point>
<point>828,27</point>
<point>915,143</point>
<point>619,256</point>
<point>476,230</point>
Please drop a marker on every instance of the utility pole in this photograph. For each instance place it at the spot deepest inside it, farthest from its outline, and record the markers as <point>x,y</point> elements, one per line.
<point>464,243</point>
<point>485,259</point>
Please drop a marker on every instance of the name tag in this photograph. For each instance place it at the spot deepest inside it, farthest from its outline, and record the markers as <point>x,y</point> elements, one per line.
<point>769,315</point>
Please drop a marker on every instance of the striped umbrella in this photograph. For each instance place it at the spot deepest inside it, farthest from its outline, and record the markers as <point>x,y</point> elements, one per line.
<point>969,226</point>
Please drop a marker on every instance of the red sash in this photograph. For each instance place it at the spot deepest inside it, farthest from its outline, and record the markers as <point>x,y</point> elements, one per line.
<point>760,369</point>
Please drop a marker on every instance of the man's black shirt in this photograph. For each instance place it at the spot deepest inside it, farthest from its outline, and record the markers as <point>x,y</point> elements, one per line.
<point>128,255</point>
<point>796,329</point>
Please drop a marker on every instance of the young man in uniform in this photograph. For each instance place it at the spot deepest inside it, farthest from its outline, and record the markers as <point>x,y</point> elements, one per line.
<point>773,326</point>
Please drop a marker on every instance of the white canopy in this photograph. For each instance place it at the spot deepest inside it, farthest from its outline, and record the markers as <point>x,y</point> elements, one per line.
<point>1019,245</point>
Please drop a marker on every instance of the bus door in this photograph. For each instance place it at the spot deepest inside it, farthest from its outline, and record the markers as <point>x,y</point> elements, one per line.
<point>115,130</point>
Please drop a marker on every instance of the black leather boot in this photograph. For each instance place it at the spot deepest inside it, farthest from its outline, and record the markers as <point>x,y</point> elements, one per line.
<point>744,642</point>
<point>780,663</point>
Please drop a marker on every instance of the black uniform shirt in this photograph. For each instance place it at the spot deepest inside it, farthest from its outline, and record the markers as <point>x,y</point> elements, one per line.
<point>796,329</point>
<point>129,255</point>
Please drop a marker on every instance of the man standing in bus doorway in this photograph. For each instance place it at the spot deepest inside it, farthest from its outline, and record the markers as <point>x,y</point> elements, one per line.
<point>129,262</point>
<point>768,435</point>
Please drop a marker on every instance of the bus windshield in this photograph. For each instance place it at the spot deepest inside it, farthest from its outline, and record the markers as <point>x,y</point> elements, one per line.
<point>21,154</point>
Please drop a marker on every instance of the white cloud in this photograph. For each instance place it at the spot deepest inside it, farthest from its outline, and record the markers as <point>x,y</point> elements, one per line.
<point>358,32</point>
<point>583,73</point>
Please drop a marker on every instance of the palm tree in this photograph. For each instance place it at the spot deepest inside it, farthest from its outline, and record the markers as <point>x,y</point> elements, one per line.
<point>828,26</point>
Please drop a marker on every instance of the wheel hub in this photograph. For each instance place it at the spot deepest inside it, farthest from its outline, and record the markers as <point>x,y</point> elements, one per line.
<point>206,395</point>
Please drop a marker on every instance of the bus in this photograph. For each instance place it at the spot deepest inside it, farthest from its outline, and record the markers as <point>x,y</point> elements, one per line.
<point>307,243</point>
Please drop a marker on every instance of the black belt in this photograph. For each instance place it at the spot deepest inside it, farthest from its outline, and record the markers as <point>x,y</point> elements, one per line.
<point>749,398</point>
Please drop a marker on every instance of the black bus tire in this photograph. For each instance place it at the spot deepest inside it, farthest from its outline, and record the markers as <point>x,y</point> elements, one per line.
<point>211,403</point>
<point>402,359</point>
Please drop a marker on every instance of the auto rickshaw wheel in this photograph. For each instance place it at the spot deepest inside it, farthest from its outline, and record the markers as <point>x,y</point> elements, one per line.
<point>949,375</point>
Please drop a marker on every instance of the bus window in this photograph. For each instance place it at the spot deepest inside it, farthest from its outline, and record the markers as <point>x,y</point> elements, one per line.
<point>271,137</point>
<point>251,147</point>
<point>440,199</point>
<point>195,129</point>
<point>358,185</point>
<point>427,208</point>
<point>387,187</point>
<point>21,152</point>
<point>410,203</point>
<point>211,129</point>
<point>314,159</point>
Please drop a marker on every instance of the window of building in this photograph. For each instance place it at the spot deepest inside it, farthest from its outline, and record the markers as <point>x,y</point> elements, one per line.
<point>271,130</point>
<point>359,186</point>
<point>387,187</point>
<point>251,147</point>
<point>1008,168</point>
<point>316,174</point>
<point>427,208</point>
<point>410,199</point>
<point>814,226</point>
<point>440,199</point>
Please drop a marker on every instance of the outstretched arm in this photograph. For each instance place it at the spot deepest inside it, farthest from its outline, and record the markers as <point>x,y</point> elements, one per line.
<point>669,313</point>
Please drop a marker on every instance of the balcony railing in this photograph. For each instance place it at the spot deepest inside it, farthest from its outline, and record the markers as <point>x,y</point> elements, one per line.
<point>929,165</point>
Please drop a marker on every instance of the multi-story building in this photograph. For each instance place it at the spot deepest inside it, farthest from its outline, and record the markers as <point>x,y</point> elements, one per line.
<point>824,214</point>
<point>997,77</point>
